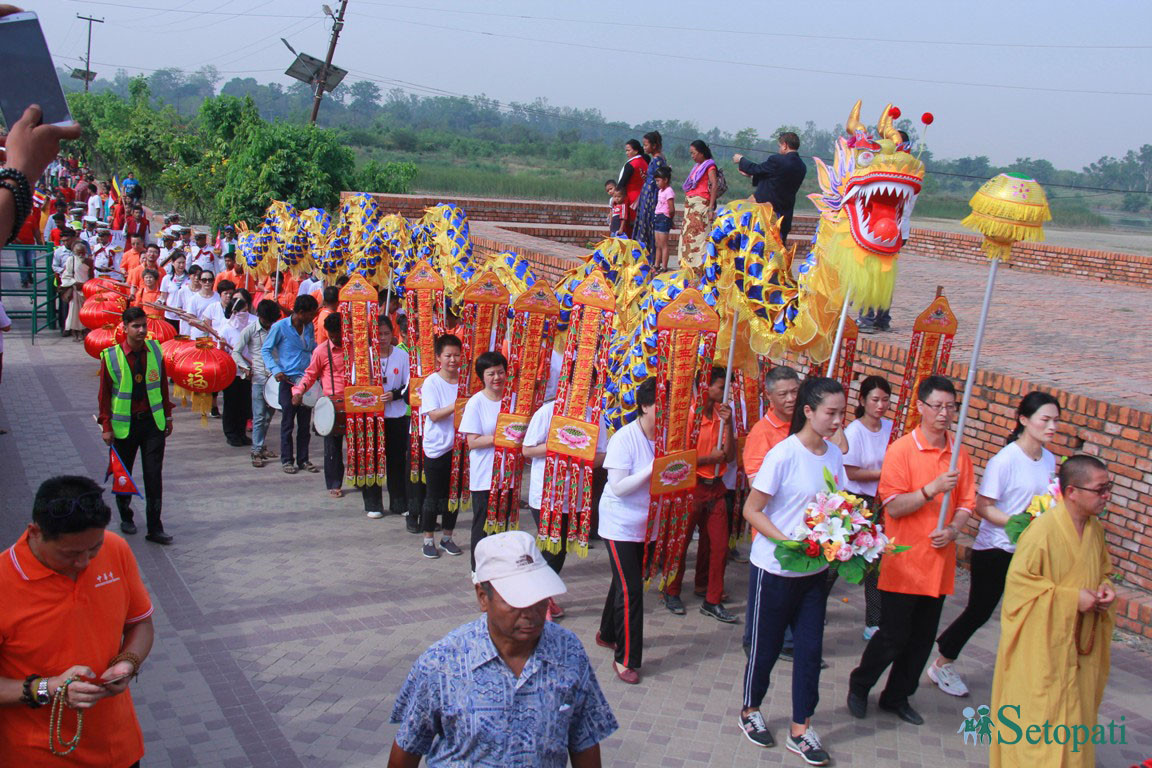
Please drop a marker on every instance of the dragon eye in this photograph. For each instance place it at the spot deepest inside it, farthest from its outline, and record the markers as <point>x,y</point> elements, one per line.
<point>864,158</point>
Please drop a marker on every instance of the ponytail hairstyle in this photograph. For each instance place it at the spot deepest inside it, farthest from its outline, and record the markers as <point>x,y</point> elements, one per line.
<point>1032,402</point>
<point>813,390</point>
<point>867,385</point>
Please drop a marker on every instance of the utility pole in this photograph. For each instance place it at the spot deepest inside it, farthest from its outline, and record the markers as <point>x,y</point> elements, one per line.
<point>88,58</point>
<point>337,25</point>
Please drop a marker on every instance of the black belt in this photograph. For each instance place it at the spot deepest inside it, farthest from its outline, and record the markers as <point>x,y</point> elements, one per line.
<point>708,480</point>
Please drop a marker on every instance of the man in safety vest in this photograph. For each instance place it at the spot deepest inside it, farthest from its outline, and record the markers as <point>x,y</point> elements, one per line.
<point>136,415</point>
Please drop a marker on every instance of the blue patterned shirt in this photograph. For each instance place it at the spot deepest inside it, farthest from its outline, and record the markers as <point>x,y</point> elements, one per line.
<point>462,706</point>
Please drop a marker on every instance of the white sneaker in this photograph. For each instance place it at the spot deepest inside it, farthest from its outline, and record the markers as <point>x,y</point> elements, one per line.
<point>948,679</point>
<point>374,515</point>
<point>869,631</point>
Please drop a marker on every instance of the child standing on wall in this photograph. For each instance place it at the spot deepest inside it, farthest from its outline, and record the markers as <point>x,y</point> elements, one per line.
<point>610,190</point>
<point>621,224</point>
<point>665,213</point>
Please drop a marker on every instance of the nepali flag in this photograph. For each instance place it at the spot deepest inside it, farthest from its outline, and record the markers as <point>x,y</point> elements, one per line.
<point>122,482</point>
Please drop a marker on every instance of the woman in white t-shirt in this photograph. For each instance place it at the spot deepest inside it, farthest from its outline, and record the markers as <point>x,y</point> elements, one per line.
<point>868,438</point>
<point>478,424</point>
<point>170,285</point>
<point>535,447</point>
<point>1021,470</point>
<point>624,526</point>
<point>790,477</point>
<point>438,410</point>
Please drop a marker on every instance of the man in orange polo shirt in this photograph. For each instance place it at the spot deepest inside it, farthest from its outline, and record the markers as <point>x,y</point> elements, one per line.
<point>782,385</point>
<point>131,258</point>
<point>148,260</point>
<point>330,304</point>
<point>711,511</point>
<point>235,274</point>
<point>74,607</point>
<point>914,583</point>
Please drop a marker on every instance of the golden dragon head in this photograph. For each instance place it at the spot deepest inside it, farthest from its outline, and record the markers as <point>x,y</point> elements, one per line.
<point>871,185</point>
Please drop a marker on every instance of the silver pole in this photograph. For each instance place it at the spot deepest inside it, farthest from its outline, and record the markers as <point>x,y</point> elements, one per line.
<point>728,371</point>
<point>839,334</point>
<point>969,385</point>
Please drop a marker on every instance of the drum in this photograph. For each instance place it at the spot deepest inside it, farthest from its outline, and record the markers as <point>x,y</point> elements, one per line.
<point>328,417</point>
<point>272,394</point>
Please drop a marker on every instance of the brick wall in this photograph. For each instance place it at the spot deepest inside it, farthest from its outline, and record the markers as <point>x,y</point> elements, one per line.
<point>565,222</point>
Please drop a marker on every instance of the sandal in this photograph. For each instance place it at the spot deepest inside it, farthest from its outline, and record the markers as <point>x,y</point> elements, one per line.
<point>309,467</point>
<point>336,493</point>
<point>289,469</point>
<point>269,454</point>
<point>258,460</point>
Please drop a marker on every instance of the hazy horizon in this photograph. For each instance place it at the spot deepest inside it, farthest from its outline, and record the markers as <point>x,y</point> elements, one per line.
<point>725,69</point>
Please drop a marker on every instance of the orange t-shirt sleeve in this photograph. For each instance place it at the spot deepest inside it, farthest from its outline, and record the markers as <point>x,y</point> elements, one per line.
<point>755,448</point>
<point>895,473</point>
<point>139,601</point>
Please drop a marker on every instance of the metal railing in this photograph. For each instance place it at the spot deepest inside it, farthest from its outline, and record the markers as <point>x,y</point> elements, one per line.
<point>33,263</point>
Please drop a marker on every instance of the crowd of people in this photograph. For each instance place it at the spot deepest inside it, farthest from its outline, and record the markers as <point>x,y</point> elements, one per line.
<point>528,695</point>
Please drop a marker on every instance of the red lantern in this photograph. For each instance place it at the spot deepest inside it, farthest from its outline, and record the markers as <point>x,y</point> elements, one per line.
<point>101,311</point>
<point>100,339</point>
<point>894,113</point>
<point>204,369</point>
<point>927,118</point>
<point>172,349</point>
<point>158,330</point>
<point>99,285</point>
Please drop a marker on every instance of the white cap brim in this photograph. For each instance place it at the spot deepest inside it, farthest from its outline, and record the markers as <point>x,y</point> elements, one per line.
<point>527,588</point>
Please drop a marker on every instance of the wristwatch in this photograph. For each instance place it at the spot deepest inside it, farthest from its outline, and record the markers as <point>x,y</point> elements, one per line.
<point>42,697</point>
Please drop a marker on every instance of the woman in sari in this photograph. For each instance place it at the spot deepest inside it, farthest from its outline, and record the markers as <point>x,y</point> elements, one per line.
<point>699,205</point>
<point>77,271</point>
<point>633,173</point>
<point>643,229</point>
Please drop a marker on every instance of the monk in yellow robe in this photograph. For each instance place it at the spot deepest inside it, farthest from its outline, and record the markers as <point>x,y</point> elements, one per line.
<point>1055,631</point>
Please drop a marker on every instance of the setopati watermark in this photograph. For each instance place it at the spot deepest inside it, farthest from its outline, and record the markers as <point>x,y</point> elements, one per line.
<point>1008,726</point>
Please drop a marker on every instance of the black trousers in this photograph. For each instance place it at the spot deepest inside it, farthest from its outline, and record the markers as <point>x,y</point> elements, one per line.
<point>479,517</point>
<point>555,560</point>
<point>908,624</point>
<point>396,448</point>
<point>776,603</point>
<point>237,409</point>
<point>989,570</point>
<point>333,461</point>
<point>622,622</point>
<point>437,475</point>
<point>301,417</point>
<point>147,439</point>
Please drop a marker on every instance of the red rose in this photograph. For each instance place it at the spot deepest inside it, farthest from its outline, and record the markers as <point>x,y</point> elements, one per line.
<point>812,548</point>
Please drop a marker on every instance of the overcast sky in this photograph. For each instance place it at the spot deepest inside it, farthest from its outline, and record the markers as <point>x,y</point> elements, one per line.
<point>1078,71</point>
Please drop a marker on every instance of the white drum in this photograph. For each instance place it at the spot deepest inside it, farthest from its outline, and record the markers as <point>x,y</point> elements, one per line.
<point>324,416</point>
<point>272,394</point>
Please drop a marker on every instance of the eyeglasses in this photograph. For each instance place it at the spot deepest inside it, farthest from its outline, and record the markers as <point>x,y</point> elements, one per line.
<point>1103,490</point>
<point>91,501</point>
<point>949,407</point>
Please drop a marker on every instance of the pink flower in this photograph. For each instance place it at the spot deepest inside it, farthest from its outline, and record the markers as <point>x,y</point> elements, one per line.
<point>844,554</point>
<point>864,540</point>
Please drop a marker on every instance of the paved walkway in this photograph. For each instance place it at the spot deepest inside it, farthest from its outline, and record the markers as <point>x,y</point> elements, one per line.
<point>286,621</point>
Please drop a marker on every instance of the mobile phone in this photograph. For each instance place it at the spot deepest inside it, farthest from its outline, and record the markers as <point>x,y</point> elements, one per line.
<point>29,74</point>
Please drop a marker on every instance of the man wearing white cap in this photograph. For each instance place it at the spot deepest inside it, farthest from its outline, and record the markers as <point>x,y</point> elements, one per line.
<point>510,689</point>
<point>89,234</point>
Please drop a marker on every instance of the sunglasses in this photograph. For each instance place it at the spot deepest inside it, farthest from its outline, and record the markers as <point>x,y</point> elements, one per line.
<point>92,501</point>
<point>1103,490</point>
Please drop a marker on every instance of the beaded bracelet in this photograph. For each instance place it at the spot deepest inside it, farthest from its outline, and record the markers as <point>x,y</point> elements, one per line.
<point>17,183</point>
<point>128,656</point>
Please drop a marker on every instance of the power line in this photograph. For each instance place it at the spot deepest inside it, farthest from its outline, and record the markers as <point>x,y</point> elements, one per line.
<point>757,65</point>
<point>751,33</point>
<point>192,13</point>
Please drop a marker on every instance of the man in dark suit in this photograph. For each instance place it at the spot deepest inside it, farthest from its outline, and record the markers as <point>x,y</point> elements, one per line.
<point>777,179</point>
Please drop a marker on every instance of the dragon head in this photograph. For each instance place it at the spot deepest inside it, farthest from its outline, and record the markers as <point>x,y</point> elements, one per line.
<point>872,184</point>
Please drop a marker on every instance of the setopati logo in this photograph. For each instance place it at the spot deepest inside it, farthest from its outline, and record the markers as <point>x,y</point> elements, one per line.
<point>1008,726</point>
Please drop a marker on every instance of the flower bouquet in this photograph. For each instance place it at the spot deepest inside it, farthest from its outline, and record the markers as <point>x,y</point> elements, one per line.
<point>838,531</point>
<point>1041,503</point>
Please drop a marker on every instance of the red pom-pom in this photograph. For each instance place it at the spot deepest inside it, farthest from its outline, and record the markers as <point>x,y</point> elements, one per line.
<point>927,118</point>
<point>894,113</point>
